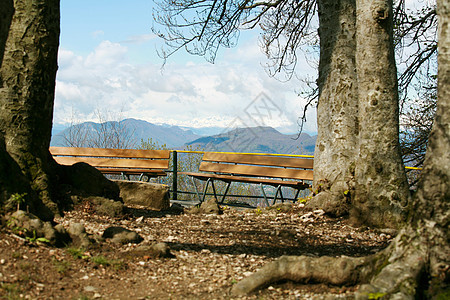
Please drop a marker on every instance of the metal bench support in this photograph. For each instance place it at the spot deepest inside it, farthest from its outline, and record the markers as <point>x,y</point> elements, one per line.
<point>264,194</point>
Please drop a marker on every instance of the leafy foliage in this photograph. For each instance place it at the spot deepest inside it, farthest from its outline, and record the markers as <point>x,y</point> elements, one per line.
<point>17,199</point>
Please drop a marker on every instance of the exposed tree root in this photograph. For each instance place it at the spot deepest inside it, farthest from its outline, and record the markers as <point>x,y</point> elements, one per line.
<point>415,264</point>
<point>337,271</point>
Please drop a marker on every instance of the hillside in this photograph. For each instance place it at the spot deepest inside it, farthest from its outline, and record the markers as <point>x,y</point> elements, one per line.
<point>257,139</point>
<point>137,130</point>
<point>251,139</point>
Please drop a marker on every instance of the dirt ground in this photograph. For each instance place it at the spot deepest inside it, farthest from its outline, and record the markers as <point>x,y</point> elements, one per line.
<point>211,253</point>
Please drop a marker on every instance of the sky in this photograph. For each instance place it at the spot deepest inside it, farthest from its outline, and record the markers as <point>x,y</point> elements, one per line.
<point>109,69</point>
<point>109,66</point>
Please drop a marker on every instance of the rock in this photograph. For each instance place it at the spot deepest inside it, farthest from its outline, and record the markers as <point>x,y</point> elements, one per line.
<point>86,181</point>
<point>176,209</point>
<point>62,236</point>
<point>333,205</point>
<point>80,238</point>
<point>107,207</point>
<point>33,228</point>
<point>151,195</point>
<point>89,288</point>
<point>210,206</point>
<point>120,235</point>
<point>155,250</point>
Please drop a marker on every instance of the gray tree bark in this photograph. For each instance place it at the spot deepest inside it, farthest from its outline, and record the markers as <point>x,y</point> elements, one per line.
<point>357,165</point>
<point>382,191</point>
<point>417,263</point>
<point>11,178</point>
<point>6,13</point>
<point>28,73</point>
<point>337,110</point>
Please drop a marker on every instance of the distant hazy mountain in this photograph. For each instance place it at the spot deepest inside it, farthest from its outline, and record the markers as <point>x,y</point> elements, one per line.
<point>204,131</point>
<point>257,139</point>
<point>252,139</point>
<point>172,136</point>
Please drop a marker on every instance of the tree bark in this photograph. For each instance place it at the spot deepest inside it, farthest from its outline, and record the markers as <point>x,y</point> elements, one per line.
<point>337,118</point>
<point>357,166</point>
<point>28,75</point>
<point>417,263</point>
<point>6,13</point>
<point>382,191</point>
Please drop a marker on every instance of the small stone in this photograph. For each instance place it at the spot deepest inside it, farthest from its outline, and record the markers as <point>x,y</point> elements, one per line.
<point>89,288</point>
<point>171,238</point>
<point>121,235</point>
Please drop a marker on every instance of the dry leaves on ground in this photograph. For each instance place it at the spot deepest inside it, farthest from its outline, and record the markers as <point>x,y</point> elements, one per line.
<point>211,253</point>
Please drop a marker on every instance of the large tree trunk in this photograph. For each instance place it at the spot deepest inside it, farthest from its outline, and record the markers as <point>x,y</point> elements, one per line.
<point>28,75</point>
<point>12,180</point>
<point>357,165</point>
<point>417,263</point>
<point>382,191</point>
<point>337,110</point>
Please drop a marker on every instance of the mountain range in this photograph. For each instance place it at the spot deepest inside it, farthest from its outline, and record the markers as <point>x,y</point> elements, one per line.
<point>136,130</point>
<point>251,139</point>
<point>257,140</point>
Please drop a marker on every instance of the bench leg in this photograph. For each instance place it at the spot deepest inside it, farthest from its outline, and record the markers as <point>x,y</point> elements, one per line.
<point>125,177</point>
<point>214,189</point>
<point>206,189</point>
<point>264,195</point>
<point>276,195</point>
<point>296,195</point>
<point>225,193</point>
<point>196,190</point>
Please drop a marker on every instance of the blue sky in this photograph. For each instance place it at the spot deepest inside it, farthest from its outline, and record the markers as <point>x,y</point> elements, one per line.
<point>108,66</point>
<point>108,63</point>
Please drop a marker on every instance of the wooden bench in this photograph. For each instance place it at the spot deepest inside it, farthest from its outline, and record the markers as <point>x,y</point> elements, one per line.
<point>276,171</point>
<point>125,162</point>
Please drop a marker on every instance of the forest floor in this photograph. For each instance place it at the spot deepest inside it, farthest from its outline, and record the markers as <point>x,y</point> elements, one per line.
<point>211,253</point>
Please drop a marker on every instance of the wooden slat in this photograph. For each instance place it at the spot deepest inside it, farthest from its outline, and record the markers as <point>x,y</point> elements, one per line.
<point>103,152</point>
<point>290,162</point>
<point>151,173</point>
<point>256,171</point>
<point>228,178</point>
<point>114,162</point>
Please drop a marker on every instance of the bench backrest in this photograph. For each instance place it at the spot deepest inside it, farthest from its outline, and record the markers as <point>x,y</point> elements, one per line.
<point>103,158</point>
<point>258,165</point>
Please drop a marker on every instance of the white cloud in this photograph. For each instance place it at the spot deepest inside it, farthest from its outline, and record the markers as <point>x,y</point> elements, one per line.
<point>106,54</point>
<point>189,94</point>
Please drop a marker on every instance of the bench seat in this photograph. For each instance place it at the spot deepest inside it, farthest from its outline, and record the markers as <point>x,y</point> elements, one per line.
<point>125,162</point>
<point>274,171</point>
<point>232,178</point>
